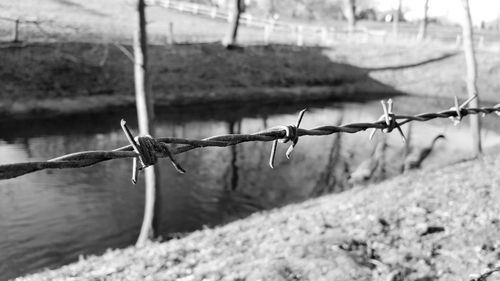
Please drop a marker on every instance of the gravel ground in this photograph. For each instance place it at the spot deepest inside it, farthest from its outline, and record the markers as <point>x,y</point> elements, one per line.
<point>429,225</point>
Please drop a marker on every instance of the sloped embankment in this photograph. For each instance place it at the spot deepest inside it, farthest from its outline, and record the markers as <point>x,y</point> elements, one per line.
<point>429,225</point>
<point>69,78</point>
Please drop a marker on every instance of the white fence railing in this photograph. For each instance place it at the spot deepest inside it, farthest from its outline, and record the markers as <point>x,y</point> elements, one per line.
<point>300,33</point>
<point>268,25</point>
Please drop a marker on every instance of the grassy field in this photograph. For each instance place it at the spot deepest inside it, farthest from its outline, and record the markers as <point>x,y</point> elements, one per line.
<point>431,225</point>
<point>110,21</point>
<point>423,69</point>
<point>79,77</point>
<point>76,67</point>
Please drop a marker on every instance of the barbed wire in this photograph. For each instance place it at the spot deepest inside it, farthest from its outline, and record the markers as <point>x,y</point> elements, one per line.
<point>485,275</point>
<point>147,149</point>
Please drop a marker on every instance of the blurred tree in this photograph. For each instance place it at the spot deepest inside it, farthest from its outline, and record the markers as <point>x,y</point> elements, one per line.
<point>470,60</point>
<point>272,8</point>
<point>145,116</point>
<point>395,17</point>
<point>267,7</point>
<point>422,32</point>
<point>300,9</point>
<point>238,8</point>
<point>350,12</point>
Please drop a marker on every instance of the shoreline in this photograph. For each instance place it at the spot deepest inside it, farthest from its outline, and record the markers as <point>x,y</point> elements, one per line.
<point>67,107</point>
<point>61,79</point>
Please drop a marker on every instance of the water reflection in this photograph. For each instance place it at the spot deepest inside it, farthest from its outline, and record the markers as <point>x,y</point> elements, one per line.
<point>49,218</point>
<point>234,127</point>
<point>335,174</point>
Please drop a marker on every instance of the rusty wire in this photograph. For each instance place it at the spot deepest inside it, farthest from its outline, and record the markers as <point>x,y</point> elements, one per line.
<point>386,123</point>
<point>485,275</point>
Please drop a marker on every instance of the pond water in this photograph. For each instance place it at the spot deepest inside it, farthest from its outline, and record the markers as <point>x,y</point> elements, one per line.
<point>50,218</point>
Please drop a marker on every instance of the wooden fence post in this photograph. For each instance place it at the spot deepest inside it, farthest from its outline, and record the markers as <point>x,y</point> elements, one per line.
<point>458,40</point>
<point>300,35</point>
<point>470,60</point>
<point>267,33</point>
<point>422,31</point>
<point>145,116</point>
<point>324,35</point>
<point>171,39</point>
<point>480,44</point>
<point>395,18</point>
<point>16,31</point>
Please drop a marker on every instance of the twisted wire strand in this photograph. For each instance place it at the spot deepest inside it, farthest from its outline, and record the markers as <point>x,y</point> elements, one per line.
<point>89,158</point>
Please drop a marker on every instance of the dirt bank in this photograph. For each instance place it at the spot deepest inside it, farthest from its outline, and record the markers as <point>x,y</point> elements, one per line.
<point>49,79</point>
<point>429,225</point>
<point>58,76</point>
<point>67,78</point>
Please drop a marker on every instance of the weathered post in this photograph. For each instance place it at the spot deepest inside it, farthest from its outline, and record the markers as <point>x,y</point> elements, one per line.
<point>171,39</point>
<point>300,35</point>
<point>458,40</point>
<point>324,36</point>
<point>267,33</point>
<point>480,44</point>
<point>395,18</point>
<point>350,12</point>
<point>249,19</point>
<point>15,38</point>
<point>145,116</point>
<point>422,32</point>
<point>471,77</point>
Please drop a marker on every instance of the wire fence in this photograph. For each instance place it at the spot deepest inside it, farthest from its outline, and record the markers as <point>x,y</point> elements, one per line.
<point>146,150</point>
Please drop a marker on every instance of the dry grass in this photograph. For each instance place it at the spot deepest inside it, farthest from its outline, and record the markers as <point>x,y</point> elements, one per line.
<point>431,225</point>
<point>392,65</point>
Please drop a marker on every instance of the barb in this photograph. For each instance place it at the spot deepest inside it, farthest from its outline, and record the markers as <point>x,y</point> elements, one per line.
<point>390,120</point>
<point>485,275</point>
<point>88,158</point>
<point>457,119</point>
<point>146,148</point>
<point>290,135</point>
